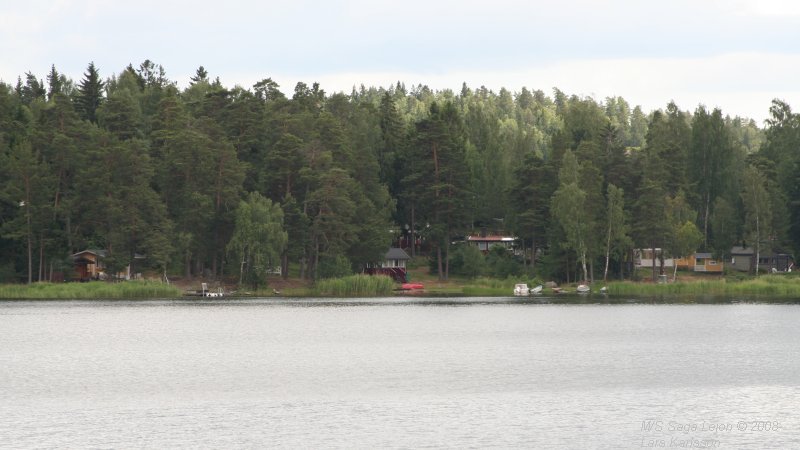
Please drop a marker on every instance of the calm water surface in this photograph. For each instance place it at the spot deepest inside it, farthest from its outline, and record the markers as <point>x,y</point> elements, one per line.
<point>469,373</point>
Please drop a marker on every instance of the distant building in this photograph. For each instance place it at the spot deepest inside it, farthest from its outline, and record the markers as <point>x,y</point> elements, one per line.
<point>744,259</point>
<point>701,262</point>
<point>393,265</point>
<point>643,258</point>
<point>89,265</point>
<point>485,243</point>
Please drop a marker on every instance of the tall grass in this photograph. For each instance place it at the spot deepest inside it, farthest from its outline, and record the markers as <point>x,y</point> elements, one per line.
<point>92,290</point>
<point>354,286</point>
<point>768,285</point>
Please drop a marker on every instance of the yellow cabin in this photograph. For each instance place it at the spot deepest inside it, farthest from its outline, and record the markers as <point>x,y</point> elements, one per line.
<point>700,262</point>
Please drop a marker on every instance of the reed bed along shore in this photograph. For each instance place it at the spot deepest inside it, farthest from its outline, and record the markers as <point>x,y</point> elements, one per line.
<point>766,286</point>
<point>354,286</point>
<point>91,290</point>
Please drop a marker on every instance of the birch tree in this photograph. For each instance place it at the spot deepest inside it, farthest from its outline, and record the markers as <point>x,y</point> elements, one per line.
<point>258,238</point>
<point>757,211</point>
<point>616,227</point>
<point>569,209</point>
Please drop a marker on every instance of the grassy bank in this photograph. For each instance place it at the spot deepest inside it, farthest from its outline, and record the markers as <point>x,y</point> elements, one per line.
<point>354,286</point>
<point>93,290</point>
<point>766,286</point>
<point>492,287</point>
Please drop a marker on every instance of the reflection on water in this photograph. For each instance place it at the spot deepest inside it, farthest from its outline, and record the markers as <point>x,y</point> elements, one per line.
<point>396,373</point>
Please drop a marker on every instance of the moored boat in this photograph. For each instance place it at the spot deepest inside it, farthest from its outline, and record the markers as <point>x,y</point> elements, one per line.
<point>521,289</point>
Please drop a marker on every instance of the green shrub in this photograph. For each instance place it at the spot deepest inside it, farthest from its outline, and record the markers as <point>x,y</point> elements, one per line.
<point>502,263</point>
<point>334,267</point>
<point>465,260</point>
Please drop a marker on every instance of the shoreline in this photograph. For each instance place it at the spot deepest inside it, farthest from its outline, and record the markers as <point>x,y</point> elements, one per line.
<point>765,289</point>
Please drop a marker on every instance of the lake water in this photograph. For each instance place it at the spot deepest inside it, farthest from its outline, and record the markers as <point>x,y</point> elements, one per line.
<point>408,373</point>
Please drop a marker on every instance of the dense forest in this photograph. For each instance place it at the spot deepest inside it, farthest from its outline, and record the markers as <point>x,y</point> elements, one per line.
<point>218,181</point>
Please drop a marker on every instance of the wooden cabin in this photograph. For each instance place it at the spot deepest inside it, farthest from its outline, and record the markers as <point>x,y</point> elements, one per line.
<point>89,265</point>
<point>700,262</point>
<point>393,265</point>
<point>643,258</point>
<point>744,260</point>
<point>485,243</point>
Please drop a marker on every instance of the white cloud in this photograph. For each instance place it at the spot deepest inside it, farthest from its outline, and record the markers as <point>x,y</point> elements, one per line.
<point>691,51</point>
<point>741,84</point>
<point>768,8</point>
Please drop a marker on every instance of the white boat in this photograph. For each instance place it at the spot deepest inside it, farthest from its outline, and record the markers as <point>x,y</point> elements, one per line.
<point>206,292</point>
<point>537,289</point>
<point>583,289</point>
<point>521,289</point>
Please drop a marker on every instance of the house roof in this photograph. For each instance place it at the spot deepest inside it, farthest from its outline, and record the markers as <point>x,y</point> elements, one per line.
<point>397,253</point>
<point>490,239</point>
<point>100,253</point>
<point>750,251</point>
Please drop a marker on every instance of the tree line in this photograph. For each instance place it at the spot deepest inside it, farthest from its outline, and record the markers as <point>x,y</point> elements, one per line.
<point>213,180</point>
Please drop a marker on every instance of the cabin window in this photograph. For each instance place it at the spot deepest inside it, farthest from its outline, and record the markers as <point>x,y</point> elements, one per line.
<point>483,246</point>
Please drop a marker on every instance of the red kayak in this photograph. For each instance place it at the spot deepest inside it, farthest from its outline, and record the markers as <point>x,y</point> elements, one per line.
<point>410,286</point>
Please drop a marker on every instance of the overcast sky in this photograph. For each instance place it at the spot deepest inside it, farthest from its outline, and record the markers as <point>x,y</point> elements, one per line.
<point>733,54</point>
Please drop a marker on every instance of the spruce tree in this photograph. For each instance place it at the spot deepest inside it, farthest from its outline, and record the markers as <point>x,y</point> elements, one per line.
<point>90,94</point>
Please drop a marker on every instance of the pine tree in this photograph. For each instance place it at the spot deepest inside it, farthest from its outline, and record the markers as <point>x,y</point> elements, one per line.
<point>200,76</point>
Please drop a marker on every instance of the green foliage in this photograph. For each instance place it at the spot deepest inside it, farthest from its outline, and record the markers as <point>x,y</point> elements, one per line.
<point>713,164</point>
<point>93,290</point>
<point>687,239</point>
<point>90,94</point>
<point>334,266</point>
<point>437,182</point>
<point>465,260</point>
<point>473,263</point>
<point>569,209</point>
<point>354,286</point>
<point>780,149</point>
<point>769,286</point>
<point>758,226</point>
<point>725,226</point>
<point>136,166</point>
<point>258,238</point>
<point>502,263</point>
<point>616,231</point>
